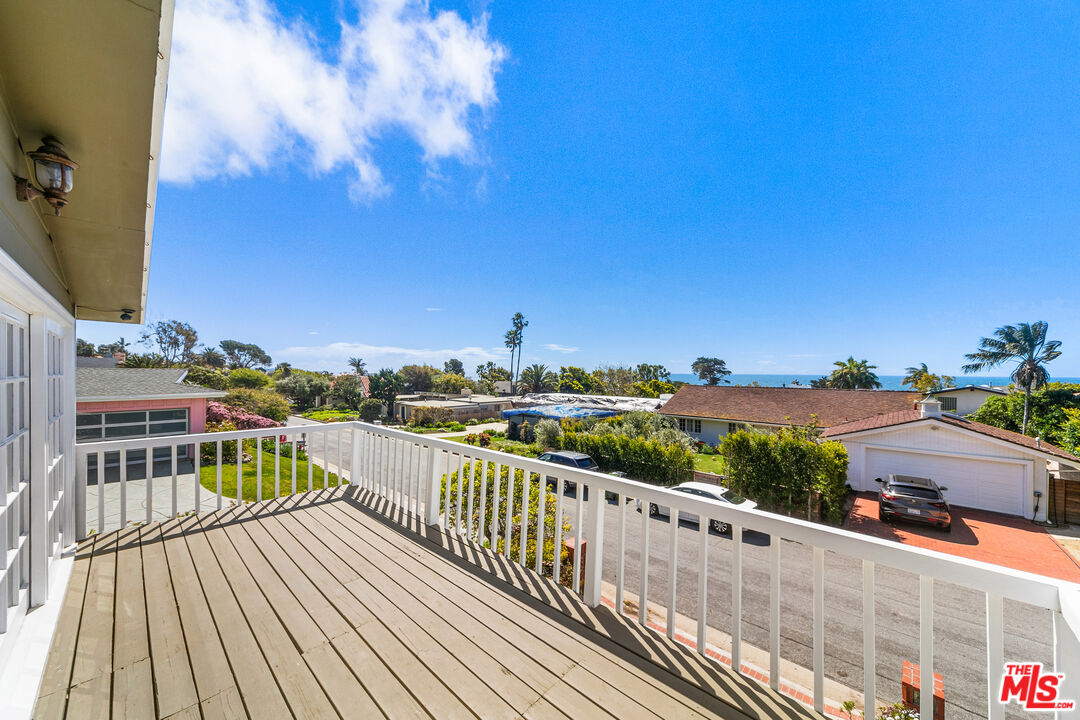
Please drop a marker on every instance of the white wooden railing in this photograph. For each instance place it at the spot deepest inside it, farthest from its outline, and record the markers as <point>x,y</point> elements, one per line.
<point>409,470</point>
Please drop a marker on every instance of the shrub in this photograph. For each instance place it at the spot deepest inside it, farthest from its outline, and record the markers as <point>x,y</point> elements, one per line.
<point>645,460</point>
<point>206,377</point>
<point>548,434</point>
<point>247,378</point>
<point>788,470</point>
<point>525,432</point>
<point>483,439</point>
<point>304,388</point>
<point>472,439</point>
<point>220,414</point>
<point>370,409</point>
<point>450,383</point>
<point>267,403</point>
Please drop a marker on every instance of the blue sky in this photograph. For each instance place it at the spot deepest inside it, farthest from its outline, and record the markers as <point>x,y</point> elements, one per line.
<point>780,185</point>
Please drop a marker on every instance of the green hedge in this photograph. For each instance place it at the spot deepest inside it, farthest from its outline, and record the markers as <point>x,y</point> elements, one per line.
<point>787,470</point>
<point>640,459</point>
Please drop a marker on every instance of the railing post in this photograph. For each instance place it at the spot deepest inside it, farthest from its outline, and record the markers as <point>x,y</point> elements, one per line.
<point>1067,646</point>
<point>39,473</point>
<point>433,489</point>
<point>81,459</point>
<point>594,533</point>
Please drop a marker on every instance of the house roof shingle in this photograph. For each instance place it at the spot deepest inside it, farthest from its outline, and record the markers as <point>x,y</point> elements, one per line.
<point>909,416</point>
<point>105,384</point>
<point>781,406</point>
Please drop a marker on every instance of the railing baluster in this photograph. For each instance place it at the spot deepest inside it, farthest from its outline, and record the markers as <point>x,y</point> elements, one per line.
<point>673,567</point>
<point>239,471</point>
<point>100,490</point>
<point>149,485</point>
<point>470,468</point>
<point>258,469</point>
<point>819,629</point>
<point>557,537</point>
<point>123,488</point>
<point>197,463</point>
<point>459,505</point>
<point>293,480</point>
<point>579,532</point>
<point>339,458</point>
<point>218,474</point>
<point>401,475</point>
<point>774,611</point>
<point>525,483</point>
<point>277,466</point>
<point>311,462</point>
<point>926,646</point>
<point>495,500</point>
<point>643,600</point>
<point>703,583</point>
<point>482,524</point>
<point>174,482</point>
<point>869,641</point>
<point>509,508</point>
<point>736,598</point>
<point>541,488</point>
<point>995,654</point>
<point>620,556</point>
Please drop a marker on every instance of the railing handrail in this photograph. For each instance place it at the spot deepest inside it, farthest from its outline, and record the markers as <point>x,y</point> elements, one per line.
<point>1015,584</point>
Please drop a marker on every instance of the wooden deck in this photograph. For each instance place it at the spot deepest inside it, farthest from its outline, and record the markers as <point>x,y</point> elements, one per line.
<point>332,605</point>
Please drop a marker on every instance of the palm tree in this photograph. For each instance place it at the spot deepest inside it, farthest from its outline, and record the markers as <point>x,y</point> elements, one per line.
<point>920,378</point>
<point>915,376</point>
<point>284,369</point>
<point>1021,343</point>
<point>358,365</point>
<point>514,339</point>
<point>537,379</point>
<point>854,374</point>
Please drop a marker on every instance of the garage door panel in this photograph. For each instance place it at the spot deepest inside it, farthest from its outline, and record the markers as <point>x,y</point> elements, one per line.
<point>982,484</point>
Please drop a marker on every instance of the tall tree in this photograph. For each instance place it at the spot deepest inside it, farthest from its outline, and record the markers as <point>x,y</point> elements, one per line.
<point>645,373</point>
<point>616,379</point>
<point>83,348</point>
<point>1027,346</point>
<point>573,379</point>
<point>358,365</point>
<point>536,378</point>
<point>244,355</point>
<point>175,340</point>
<point>209,357</point>
<point>710,370</point>
<point>385,385</point>
<point>920,378</point>
<point>852,374</point>
<point>453,366</point>
<point>489,373</point>
<point>283,370</point>
<point>514,339</point>
<point>418,378</point>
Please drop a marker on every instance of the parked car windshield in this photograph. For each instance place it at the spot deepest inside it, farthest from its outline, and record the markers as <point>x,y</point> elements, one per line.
<point>918,492</point>
<point>733,498</point>
<point>584,463</point>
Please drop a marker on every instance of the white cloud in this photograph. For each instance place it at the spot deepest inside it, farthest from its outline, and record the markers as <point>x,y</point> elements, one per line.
<point>313,332</point>
<point>248,89</point>
<point>335,356</point>
<point>433,309</point>
<point>565,349</point>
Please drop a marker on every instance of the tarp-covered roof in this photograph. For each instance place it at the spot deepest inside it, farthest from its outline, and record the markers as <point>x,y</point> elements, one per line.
<point>558,412</point>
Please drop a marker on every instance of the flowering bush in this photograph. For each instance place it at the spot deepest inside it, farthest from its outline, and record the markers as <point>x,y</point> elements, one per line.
<point>219,413</point>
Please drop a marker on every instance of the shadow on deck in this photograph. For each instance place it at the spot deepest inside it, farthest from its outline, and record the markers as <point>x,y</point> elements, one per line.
<point>336,604</point>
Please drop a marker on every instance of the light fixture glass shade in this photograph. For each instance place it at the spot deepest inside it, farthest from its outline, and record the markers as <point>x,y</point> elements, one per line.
<point>49,174</point>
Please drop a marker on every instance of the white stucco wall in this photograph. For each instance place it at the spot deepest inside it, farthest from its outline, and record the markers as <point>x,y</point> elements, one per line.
<point>953,447</point>
<point>967,400</point>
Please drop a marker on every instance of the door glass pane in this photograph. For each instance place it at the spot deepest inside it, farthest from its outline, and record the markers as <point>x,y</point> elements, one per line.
<point>124,431</point>
<point>166,428</point>
<point>177,414</point>
<point>88,434</point>
<point>88,419</point>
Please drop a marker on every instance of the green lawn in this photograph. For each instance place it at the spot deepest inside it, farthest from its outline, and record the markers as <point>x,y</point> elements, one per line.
<point>709,463</point>
<point>331,415</point>
<point>208,477</point>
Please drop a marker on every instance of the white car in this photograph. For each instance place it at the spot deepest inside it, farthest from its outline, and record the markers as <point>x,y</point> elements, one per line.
<point>705,491</point>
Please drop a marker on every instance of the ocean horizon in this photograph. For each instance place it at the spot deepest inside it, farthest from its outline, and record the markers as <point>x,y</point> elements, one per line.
<point>888,382</point>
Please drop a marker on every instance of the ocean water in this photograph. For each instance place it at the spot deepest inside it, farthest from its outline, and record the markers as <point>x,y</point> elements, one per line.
<point>888,382</point>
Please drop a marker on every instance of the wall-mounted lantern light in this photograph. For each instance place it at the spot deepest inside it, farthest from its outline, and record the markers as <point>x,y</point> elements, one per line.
<point>54,172</point>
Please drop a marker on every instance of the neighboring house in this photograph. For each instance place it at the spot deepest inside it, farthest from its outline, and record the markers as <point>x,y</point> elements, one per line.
<point>966,399</point>
<point>708,413</point>
<point>982,466</point>
<point>460,407</point>
<point>117,403</point>
<point>104,361</point>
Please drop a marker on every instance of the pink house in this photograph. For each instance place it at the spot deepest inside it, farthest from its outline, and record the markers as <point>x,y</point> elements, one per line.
<point>118,403</point>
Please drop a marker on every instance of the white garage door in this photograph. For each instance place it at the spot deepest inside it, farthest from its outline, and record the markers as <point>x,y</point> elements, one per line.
<point>982,484</point>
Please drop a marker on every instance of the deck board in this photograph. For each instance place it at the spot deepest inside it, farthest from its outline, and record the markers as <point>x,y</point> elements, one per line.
<point>334,604</point>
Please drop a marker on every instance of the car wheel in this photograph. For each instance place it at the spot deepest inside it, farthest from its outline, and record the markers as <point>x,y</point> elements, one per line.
<point>947,528</point>
<point>720,527</point>
<point>882,516</point>
<point>653,510</point>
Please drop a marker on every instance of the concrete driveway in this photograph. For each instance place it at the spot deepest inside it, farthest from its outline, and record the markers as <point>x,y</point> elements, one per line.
<point>1007,540</point>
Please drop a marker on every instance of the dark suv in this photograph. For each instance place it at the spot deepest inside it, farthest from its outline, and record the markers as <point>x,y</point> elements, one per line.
<point>913,498</point>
